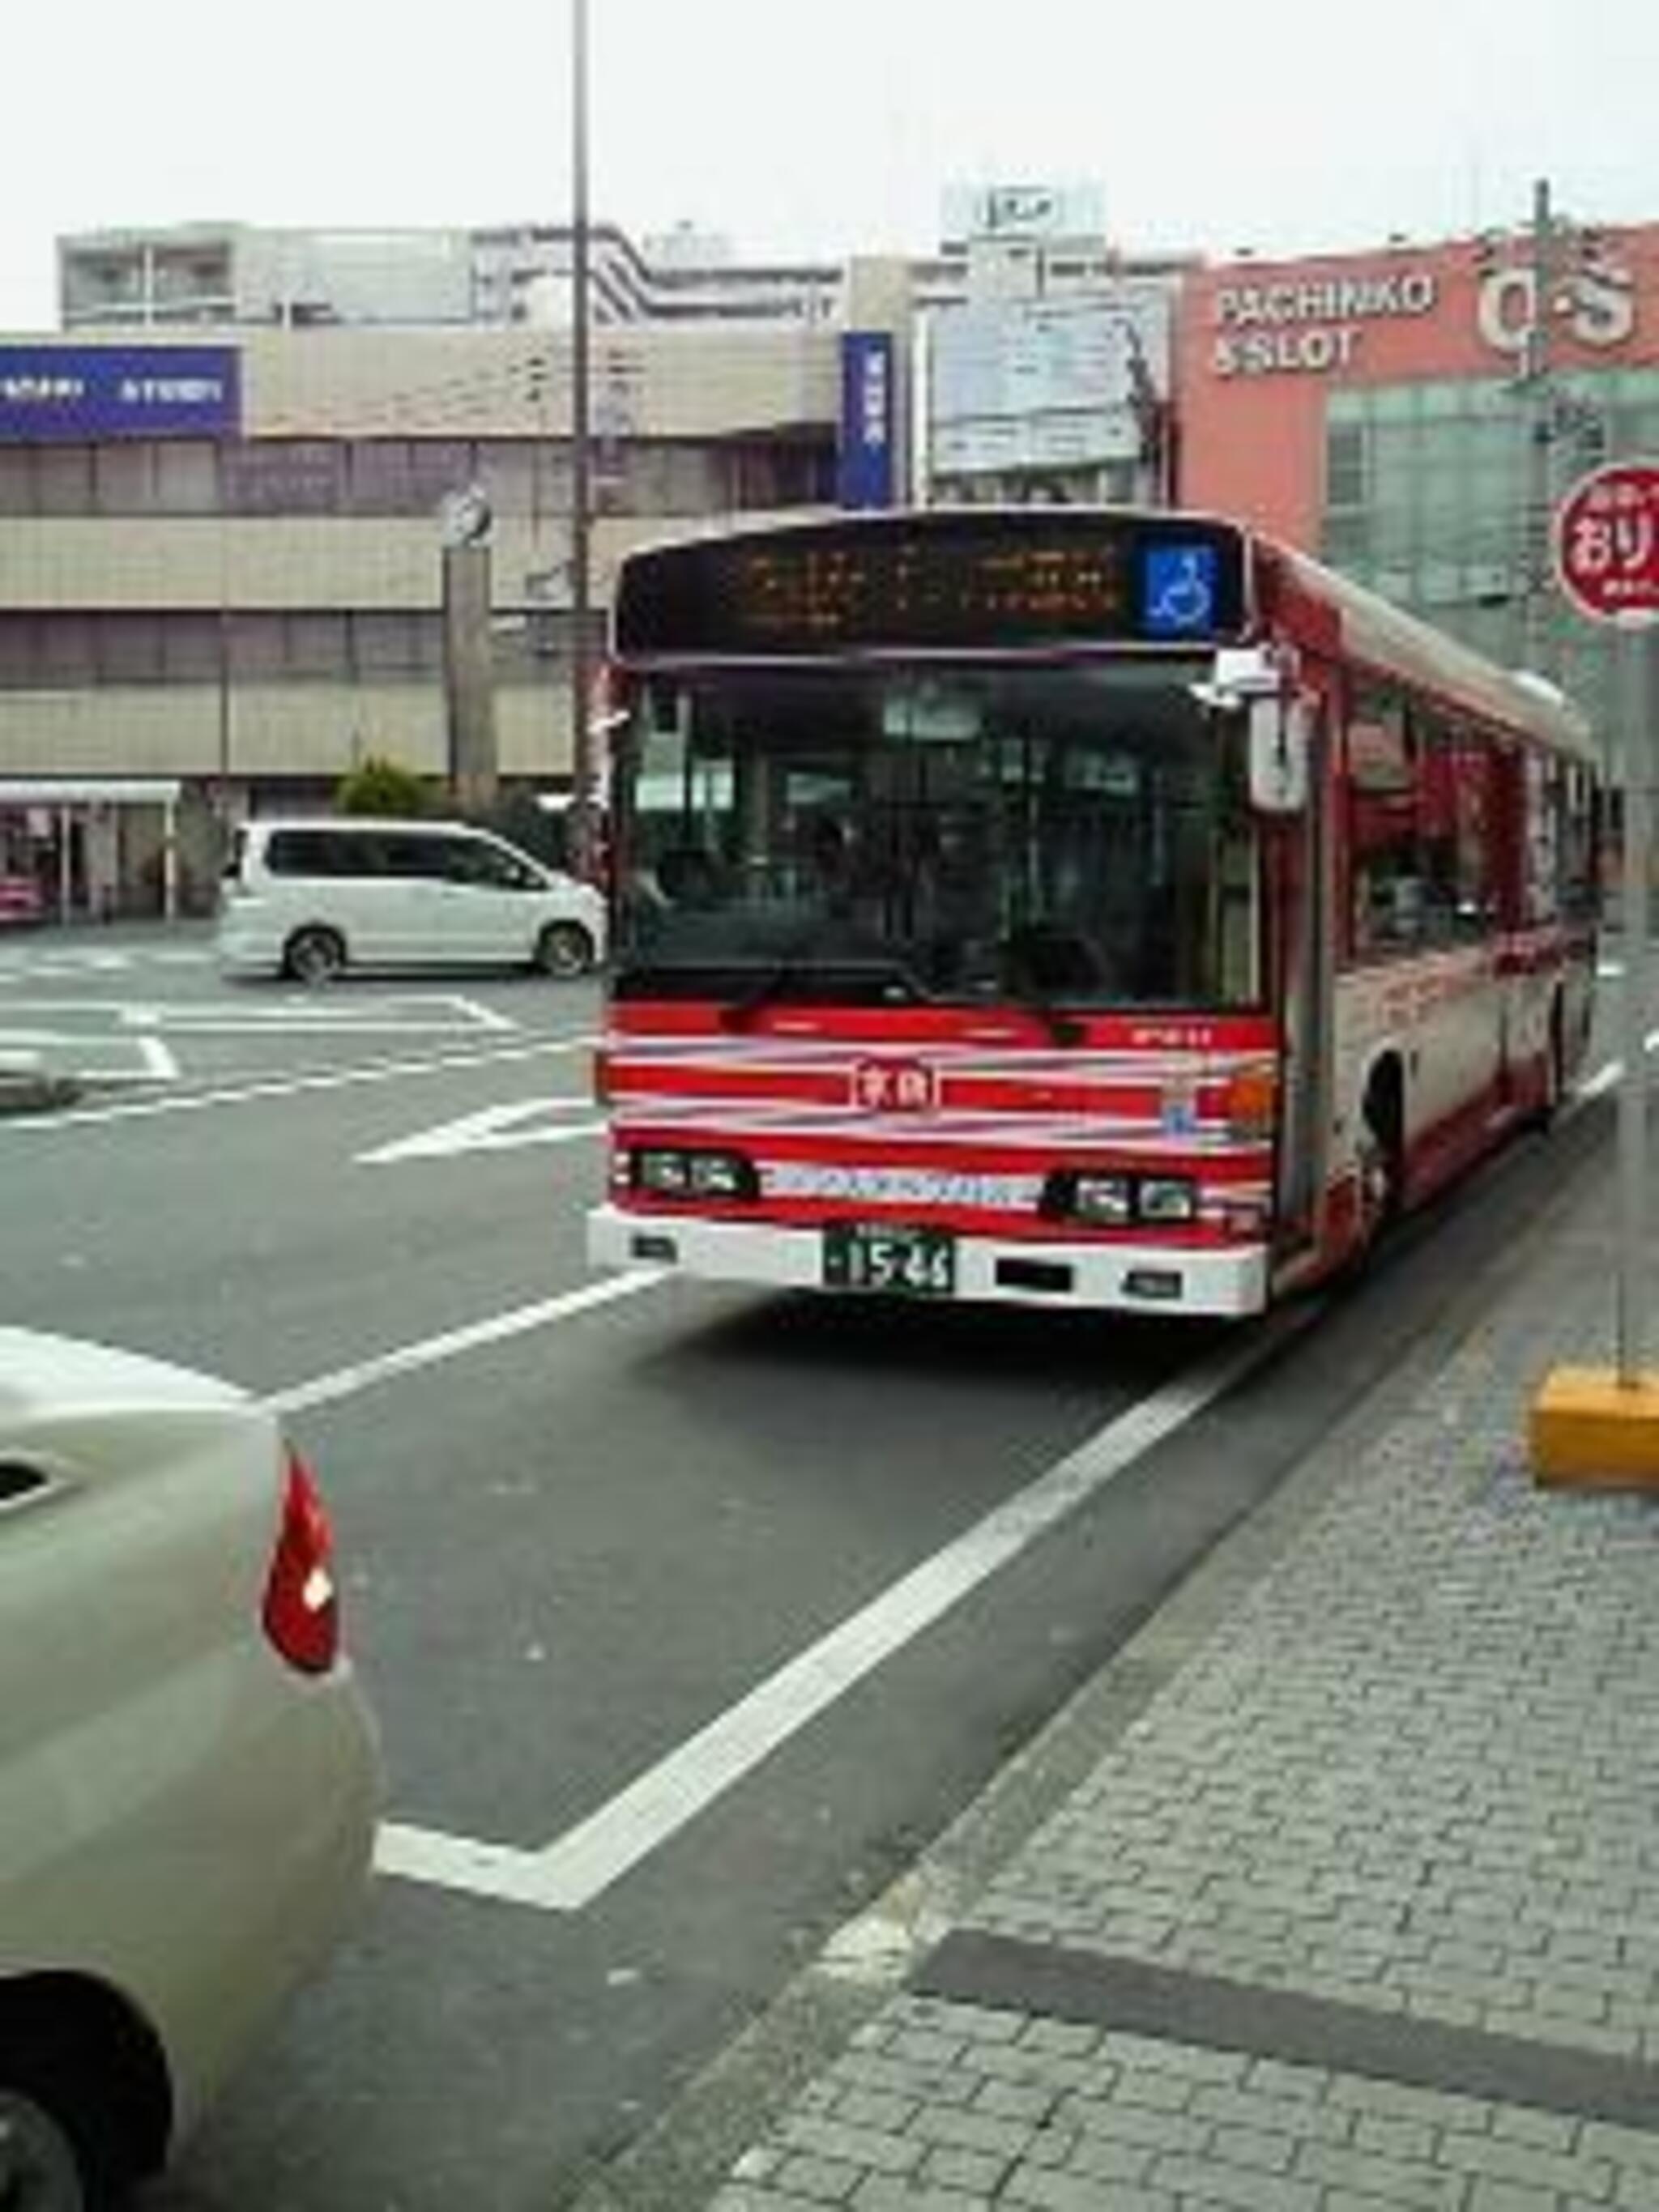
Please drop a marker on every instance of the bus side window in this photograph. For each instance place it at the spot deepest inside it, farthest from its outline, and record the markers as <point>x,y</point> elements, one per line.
<point>1388,914</point>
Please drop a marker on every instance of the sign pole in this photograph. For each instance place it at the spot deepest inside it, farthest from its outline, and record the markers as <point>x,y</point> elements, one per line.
<point>1590,1425</point>
<point>1642,665</point>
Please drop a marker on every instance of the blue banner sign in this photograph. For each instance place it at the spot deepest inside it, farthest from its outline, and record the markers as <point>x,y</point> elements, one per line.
<point>864,471</point>
<point>52,393</point>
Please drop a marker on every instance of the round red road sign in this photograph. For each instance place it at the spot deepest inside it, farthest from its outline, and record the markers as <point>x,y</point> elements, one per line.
<point>1607,541</point>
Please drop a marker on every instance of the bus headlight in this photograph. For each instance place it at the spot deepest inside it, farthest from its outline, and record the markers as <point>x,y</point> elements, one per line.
<point>664,1174</point>
<point>720,1174</point>
<point>1107,1199</point>
<point>695,1175</point>
<point>1165,1198</point>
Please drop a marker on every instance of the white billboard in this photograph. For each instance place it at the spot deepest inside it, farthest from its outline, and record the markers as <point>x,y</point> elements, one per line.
<point>1047,383</point>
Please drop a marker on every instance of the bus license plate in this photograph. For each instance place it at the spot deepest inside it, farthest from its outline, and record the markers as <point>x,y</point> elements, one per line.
<point>865,1255</point>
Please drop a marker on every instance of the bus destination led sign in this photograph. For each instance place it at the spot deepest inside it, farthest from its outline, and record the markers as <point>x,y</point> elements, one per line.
<point>939,583</point>
<point>854,594</point>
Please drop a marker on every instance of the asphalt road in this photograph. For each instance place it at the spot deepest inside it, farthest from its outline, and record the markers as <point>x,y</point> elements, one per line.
<point>587,1542</point>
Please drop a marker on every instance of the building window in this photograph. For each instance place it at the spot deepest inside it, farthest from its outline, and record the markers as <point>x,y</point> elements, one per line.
<point>186,476</point>
<point>129,648</point>
<point>16,480</point>
<point>62,476</point>
<point>125,479</point>
<point>1345,464</point>
<point>381,477</point>
<point>389,645</point>
<point>283,475</point>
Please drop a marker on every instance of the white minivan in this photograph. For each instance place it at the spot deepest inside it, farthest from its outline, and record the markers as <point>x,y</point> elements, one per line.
<point>309,899</point>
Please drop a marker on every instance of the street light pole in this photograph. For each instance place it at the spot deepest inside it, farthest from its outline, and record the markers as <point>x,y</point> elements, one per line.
<point>1539,386</point>
<point>582,744</point>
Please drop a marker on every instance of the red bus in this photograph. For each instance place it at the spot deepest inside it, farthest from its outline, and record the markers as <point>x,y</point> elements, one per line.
<point>1079,908</point>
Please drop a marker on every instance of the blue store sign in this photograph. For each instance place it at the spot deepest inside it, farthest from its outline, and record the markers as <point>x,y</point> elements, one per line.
<point>53,392</point>
<point>865,474</point>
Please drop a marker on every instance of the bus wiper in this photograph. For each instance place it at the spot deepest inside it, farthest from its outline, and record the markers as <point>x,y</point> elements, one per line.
<point>1062,1029</point>
<point>840,975</point>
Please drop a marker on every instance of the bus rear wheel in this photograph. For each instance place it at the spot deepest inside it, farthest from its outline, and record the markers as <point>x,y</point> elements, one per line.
<point>1555,1068</point>
<point>1381,1160</point>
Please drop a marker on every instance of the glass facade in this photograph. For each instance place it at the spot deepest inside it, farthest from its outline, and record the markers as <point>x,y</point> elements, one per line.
<point>1427,486</point>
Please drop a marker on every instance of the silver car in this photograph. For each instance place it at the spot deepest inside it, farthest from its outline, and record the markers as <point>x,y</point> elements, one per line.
<point>188,1776</point>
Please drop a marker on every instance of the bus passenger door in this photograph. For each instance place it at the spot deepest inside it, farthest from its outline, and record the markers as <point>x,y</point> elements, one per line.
<point>1301,901</point>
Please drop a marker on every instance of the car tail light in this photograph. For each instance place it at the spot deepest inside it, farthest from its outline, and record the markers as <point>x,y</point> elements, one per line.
<point>302,1610</point>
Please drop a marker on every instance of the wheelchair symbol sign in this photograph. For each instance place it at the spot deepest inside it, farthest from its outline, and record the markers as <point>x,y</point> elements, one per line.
<point>1179,590</point>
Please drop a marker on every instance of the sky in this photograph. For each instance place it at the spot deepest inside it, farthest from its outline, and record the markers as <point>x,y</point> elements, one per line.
<point>817,130</point>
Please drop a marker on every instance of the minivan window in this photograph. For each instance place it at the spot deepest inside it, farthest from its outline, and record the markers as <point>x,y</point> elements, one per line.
<point>417,855</point>
<point>318,853</point>
<point>473,861</point>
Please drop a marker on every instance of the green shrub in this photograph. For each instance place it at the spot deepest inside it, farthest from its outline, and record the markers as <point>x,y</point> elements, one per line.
<point>379,785</point>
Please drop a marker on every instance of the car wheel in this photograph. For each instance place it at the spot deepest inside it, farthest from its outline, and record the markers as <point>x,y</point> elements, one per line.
<point>44,2167</point>
<point>314,955</point>
<point>564,948</point>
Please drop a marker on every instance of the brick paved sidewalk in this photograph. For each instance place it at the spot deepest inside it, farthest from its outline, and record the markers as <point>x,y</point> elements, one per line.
<point>1362,1910</point>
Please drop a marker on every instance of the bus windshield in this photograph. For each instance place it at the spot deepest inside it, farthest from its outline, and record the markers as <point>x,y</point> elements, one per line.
<point>902,834</point>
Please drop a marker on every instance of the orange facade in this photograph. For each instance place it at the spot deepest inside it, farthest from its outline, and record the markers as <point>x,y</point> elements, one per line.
<point>1260,345</point>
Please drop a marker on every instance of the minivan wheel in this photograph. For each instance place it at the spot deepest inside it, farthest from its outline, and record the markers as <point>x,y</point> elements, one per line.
<point>41,2170</point>
<point>314,955</point>
<point>564,948</point>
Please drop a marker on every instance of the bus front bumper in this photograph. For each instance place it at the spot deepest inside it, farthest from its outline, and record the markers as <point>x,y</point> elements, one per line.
<point>1226,1282</point>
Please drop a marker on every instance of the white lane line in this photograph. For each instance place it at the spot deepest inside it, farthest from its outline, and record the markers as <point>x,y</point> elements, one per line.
<point>487,1017</point>
<point>491,1129</point>
<point>65,1049</point>
<point>157,1059</point>
<point>580,1865</point>
<point>1612,1072</point>
<point>431,1351</point>
<point>294,1086</point>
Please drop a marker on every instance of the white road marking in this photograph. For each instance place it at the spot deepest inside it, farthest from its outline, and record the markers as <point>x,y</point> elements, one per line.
<point>487,1017</point>
<point>160,1061</point>
<point>431,1351</point>
<point>493,1129</point>
<point>65,1052</point>
<point>299,1015</point>
<point>1606,1077</point>
<point>294,1087</point>
<point>89,961</point>
<point>580,1865</point>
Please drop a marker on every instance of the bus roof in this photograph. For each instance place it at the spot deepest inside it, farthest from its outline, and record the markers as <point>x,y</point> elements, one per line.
<point>1354,622</point>
<point>1385,638</point>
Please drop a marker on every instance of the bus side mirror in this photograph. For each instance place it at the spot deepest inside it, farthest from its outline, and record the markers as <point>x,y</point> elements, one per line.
<point>1280,733</point>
